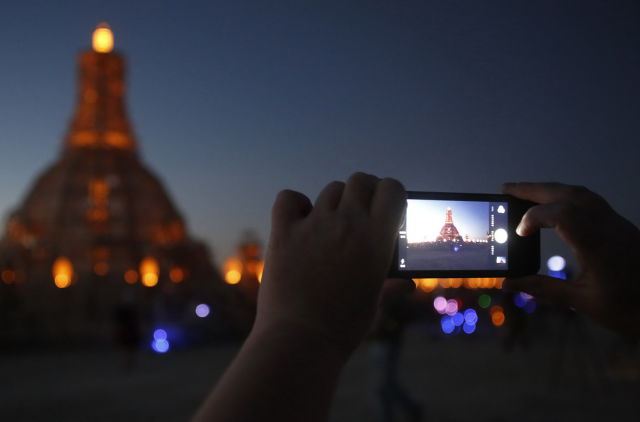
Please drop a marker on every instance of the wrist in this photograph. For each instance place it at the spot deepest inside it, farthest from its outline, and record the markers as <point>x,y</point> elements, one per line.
<point>299,339</point>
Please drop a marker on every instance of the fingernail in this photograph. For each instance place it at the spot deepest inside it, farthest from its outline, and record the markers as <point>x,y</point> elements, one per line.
<point>520,230</point>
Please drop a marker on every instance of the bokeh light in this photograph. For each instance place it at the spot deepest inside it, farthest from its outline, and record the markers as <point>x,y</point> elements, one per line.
<point>202,310</point>
<point>469,328</point>
<point>470,316</point>
<point>62,272</point>
<point>427,285</point>
<point>149,271</point>
<point>233,270</point>
<point>160,346</point>
<point>451,307</point>
<point>440,304</point>
<point>519,300</point>
<point>176,275</point>
<point>447,325</point>
<point>497,315</point>
<point>458,319</point>
<point>556,263</point>
<point>159,334</point>
<point>8,276</point>
<point>131,276</point>
<point>484,301</point>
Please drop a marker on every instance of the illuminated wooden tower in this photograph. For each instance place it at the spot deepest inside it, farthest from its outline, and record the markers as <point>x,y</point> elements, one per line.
<point>449,232</point>
<point>98,228</point>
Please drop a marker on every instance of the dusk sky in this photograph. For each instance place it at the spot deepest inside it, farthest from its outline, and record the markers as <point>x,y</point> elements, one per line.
<point>233,101</point>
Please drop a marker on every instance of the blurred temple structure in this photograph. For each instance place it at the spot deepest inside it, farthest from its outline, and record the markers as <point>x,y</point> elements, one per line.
<point>97,231</point>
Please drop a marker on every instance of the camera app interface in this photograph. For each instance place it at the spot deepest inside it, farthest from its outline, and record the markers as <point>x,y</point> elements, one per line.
<point>454,235</point>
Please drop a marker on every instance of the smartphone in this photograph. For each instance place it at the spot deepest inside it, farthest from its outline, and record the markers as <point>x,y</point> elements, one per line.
<point>464,235</point>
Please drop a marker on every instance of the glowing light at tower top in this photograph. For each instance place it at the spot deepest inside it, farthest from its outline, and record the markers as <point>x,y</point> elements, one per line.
<point>102,38</point>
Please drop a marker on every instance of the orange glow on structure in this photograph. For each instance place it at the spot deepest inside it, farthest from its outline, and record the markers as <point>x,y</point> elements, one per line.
<point>232,271</point>
<point>102,39</point>
<point>62,271</point>
<point>176,274</point>
<point>149,272</point>
<point>131,276</point>
<point>259,271</point>
<point>8,276</point>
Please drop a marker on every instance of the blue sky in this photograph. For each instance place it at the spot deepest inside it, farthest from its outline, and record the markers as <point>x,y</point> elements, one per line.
<point>234,100</point>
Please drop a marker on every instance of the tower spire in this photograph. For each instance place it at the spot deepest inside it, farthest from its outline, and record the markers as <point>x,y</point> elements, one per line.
<point>100,118</point>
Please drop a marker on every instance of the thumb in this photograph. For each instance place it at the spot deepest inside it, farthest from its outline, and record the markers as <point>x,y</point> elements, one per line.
<point>548,289</point>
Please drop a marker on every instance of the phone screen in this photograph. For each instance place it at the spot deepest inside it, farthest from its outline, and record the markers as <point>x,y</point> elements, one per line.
<point>454,235</point>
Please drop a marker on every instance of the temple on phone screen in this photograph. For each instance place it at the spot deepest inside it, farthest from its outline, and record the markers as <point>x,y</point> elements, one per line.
<point>454,235</point>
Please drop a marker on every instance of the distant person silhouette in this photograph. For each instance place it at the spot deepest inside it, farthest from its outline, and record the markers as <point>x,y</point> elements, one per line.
<point>127,332</point>
<point>384,349</point>
<point>326,264</point>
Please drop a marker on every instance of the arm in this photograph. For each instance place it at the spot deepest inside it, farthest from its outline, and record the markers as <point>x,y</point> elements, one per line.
<point>607,248</point>
<point>325,266</point>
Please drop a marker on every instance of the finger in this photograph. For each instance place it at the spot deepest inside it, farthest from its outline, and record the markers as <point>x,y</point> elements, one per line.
<point>289,207</point>
<point>548,289</point>
<point>542,193</point>
<point>358,192</point>
<point>329,198</point>
<point>556,215</point>
<point>392,287</point>
<point>389,203</point>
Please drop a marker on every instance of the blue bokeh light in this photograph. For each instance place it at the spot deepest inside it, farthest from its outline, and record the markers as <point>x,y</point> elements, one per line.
<point>160,346</point>
<point>470,316</point>
<point>458,319</point>
<point>469,328</point>
<point>447,325</point>
<point>519,300</point>
<point>202,310</point>
<point>160,334</point>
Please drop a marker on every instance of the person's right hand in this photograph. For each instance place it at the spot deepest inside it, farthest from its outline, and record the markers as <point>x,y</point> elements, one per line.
<point>606,245</point>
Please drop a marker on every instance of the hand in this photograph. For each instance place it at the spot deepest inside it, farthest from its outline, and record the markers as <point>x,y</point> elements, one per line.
<point>325,264</point>
<point>606,245</point>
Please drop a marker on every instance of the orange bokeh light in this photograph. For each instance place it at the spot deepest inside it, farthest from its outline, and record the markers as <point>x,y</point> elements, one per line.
<point>497,315</point>
<point>131,276</point>
<point>8,276</point>
<point>62,271</point>
<point>232,277</point>
<point>149,271</point>
<point>176,274</point>
<point>426,284</point>
<point>232,271</point>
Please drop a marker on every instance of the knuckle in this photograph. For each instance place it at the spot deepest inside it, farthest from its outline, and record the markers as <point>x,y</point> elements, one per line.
<point>285,194</point>
<point>360,177</point>
<point>391,185</point>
